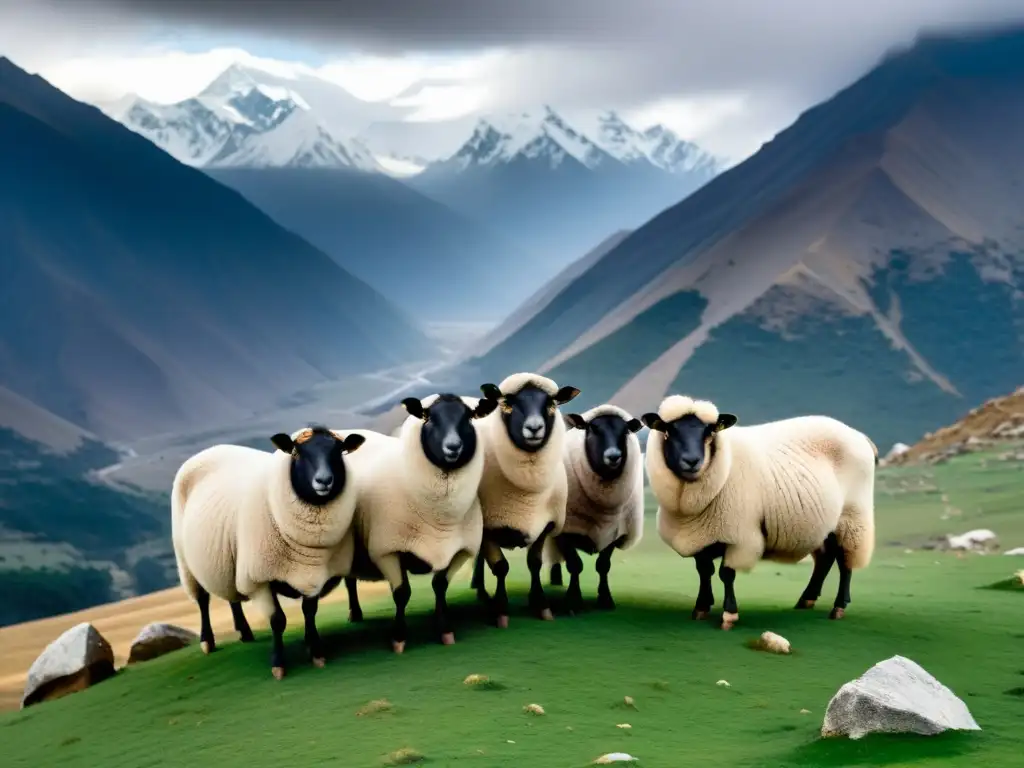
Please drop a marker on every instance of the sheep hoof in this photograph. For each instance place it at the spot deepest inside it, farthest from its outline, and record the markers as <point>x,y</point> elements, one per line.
<point>503,622</point>
<point>355,616</point>
<point>246,637</point>
<point>448,638</point>
<point>804,605</point>
<point>699,614</point>
<point>728,619</point>
<point>207,647</point>
<point>398,645</point>
<point>277,672</point>
<point>837,613</point>
<point>319,661</point>
<point>547,615</point>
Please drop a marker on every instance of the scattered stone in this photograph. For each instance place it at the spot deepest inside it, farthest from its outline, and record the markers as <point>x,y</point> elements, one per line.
<point>374,707</point>
<point>404,756</point>
<point>805,711</point>
<point>772,643</point>
<point>1017,551</point>
<point>476,680</point>
<point>723,683</point>
<point>615,757</point>
<point>898,449</point>
<point>158,639</point>
<point>628,701</point>
<point>1019,576</point>
<point>895,696</point>
<point>78,659</point>
<point>623,725</point>
<point>978,540</point>
<point>533,709</point>
<point>908,551</point>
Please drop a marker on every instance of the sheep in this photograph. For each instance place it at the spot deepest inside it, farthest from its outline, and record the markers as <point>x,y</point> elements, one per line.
<point>777,491</point>
<point>417,509</point>
<point>605,506</point>
<point>524,488</point>
<point>252,525</point>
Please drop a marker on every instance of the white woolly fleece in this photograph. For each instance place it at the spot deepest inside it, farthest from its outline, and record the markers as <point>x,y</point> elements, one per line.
<point>799,478</point>
<point>236,525</point>
<point>406,504</point>
<point>523,490</point>
<point>602,510</point>
<point>675,407</point>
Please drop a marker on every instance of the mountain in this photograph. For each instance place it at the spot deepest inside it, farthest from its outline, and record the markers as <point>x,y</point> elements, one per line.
<point>433,262</point>
<point>241,120</point>
<point>867,263</point>
<point>556,190</point>
<point>140,296</point>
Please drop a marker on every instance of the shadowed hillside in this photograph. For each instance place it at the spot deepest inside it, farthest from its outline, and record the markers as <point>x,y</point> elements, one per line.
<point>140,296</point>
<point>867,263</point>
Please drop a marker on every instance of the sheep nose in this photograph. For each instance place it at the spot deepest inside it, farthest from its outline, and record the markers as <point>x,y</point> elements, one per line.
<point>452,449</point>
<point>613,457</point>
<point>533,427</point>
<point>322,483</point>
<point>689,463</point>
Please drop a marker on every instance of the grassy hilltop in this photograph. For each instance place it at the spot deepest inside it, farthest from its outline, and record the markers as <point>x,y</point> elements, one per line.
<point>936,608</point>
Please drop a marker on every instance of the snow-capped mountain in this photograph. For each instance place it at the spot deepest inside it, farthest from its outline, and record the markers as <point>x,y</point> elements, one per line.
<point>238,120</point>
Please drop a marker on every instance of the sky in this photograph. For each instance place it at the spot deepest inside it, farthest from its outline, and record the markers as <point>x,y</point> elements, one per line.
<point>727,74</point>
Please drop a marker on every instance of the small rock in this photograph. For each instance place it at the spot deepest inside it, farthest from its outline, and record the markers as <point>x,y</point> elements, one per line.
<point>79,658</point>
<point>628,701</point>
<point>773,643</point>
<point>158,639</point>
<point>1016,551</point>
<point>1019,575</point>
<point>805,711</point>
<point>895,696</point>
<point>908,551</point>
<point>898,449</point>
<point>476,680</point>
<point>980,540</point>
<point>615,757</point>
<point>623,725</point>
<point>724,683</point>
<point>533,709</point>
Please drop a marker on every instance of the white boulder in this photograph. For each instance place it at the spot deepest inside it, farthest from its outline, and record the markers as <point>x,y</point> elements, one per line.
<point>158,639</point>
<point>898,449</point>
<point>895,696</point>
<point>978,540</point>
<point>1015,551</point>
<point>79,658</point>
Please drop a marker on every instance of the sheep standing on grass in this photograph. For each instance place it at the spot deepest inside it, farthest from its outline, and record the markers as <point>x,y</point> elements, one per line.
<point>417,509</point>
<point>604,510</point>
<point>524,487</point>
<point>252,525</point>
<point>777,491</point>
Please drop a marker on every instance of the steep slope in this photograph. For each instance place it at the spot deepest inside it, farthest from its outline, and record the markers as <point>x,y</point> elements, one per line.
<point>551,187</point>
<point>140,296</point>
<point>868,263</point>
<point>431,261</point>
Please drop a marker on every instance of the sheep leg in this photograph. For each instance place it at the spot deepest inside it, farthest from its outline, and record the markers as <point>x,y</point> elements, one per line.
<point>477,581</point>
<point>444,621</point>
<point>355,611</point>
<point>843,593</point>
<point>206,639</point>
<point>535,562</point>
<point>498,604</point>
<point>705,563</point>
<point>556,575</point>
<point>824,558</point>
<point>603,566</point>
<point>313,642</point>
<point>392,570</point>
<point>278,623</point>
<point>730,610</point>
<point>241,624</point>
<point>573,564</point>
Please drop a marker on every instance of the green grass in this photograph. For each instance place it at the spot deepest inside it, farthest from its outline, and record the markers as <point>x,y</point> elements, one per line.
<point>226,710</point>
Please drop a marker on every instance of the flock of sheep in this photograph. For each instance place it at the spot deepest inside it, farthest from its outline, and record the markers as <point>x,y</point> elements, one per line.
<point>468,478</point>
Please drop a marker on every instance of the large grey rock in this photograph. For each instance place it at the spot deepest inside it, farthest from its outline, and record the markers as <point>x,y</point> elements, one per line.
<point>158,639</point>
<point>895,696</point>
<point>79,658</point>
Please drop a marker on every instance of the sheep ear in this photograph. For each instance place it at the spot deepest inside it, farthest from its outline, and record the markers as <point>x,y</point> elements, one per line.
<point>414,407</point>
<point>574,420</point>
<point>491,392</point>
<point>634,425</point>
<point>565,394</point>
<point>653,421</point>
<point>283,442</point>
<point>725,420</point>
<point>352,443</point>
<point>484,407</point>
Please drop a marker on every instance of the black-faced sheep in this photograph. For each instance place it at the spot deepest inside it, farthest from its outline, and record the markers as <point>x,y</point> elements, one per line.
<point>604,510</point>
<point>252,525</point>
<point>776,491</point>
<point>524,487</point>
<point>417,509</point>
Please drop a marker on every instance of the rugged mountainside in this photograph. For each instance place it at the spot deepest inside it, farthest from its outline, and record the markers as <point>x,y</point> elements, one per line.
<point>866,263</point>
<point>555,189</point>
<point>434,263</point>
<point>140,296</point>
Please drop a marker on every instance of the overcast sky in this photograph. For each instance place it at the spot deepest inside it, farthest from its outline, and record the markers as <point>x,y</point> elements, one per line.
<point>726,73</point>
